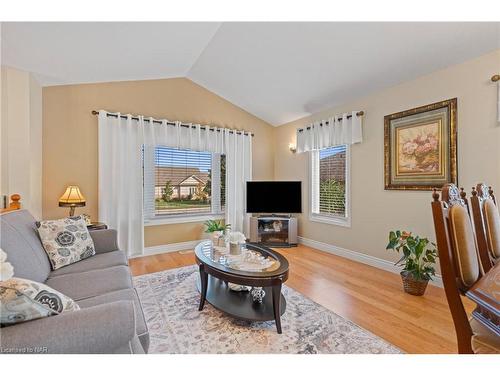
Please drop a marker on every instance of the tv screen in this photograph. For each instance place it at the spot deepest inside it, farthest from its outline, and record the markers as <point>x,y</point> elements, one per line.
<point>274,197</point>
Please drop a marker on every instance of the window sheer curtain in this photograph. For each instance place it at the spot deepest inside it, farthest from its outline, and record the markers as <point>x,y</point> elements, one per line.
<point>121,174</point>
<point>340,130</point>
<point>120,180</point>
<point>238,150</point>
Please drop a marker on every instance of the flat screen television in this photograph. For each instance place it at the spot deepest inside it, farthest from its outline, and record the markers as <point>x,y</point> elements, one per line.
<point>280,197</point>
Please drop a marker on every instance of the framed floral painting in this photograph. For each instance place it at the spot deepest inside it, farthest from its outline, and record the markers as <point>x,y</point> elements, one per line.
<point>420,147</point>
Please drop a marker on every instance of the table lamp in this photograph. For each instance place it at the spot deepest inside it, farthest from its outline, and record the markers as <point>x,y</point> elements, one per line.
<point>72,198</point>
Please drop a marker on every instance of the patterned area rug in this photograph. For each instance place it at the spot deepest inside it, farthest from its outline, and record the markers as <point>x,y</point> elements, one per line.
<point>170,302</point>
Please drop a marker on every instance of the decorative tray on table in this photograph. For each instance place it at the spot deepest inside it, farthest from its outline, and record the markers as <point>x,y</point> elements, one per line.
<point>248,260</point>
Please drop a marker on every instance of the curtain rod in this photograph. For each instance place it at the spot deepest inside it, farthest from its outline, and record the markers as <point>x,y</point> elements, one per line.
<point>358,114</point>
<point>95,113</point>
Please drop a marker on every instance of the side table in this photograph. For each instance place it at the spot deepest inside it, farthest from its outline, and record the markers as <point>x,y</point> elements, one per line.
<point>96,226</point>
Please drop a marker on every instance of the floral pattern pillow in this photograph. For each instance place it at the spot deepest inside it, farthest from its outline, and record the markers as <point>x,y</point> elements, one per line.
<point>22,300</point>
<point>65,241</point>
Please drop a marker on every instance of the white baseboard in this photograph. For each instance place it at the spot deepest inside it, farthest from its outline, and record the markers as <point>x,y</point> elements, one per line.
<point>359,257</point>
<point>170,248</point>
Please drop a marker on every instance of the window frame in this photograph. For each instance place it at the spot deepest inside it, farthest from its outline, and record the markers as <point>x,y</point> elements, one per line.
<point>313,173</point>
<point>150,216</point>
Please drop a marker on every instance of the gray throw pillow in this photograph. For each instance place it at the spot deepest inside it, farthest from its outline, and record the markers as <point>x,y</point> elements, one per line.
<point>65,241</point>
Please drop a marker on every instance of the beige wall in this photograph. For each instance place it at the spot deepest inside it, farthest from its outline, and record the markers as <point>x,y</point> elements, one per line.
<point>70,147</point>
<point>374,210</point>
<point>21,138</point>
<point>70,137</point>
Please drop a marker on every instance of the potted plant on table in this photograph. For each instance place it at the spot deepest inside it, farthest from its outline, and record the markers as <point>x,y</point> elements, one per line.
<point>418,260</point>
<point>216,229</point>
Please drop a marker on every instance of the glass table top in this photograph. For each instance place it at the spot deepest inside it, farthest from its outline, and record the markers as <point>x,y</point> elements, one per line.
<point>253,259</point>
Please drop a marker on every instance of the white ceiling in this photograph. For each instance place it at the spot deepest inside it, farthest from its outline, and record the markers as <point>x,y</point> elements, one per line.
<point>276,71</point>
<point>80,52</point>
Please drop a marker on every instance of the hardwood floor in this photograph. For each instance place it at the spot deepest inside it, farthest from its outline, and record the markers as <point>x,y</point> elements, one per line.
<point>368,296</point>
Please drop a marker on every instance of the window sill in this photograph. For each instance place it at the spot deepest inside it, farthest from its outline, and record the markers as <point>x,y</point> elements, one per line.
<point>181,219</point>
<point>332,220</point>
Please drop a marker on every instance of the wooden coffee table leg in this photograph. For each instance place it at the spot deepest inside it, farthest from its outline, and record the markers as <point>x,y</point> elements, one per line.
<point>277,305</point>
<point>204,283</point>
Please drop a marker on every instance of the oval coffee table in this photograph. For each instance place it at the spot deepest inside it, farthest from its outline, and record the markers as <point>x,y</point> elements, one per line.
<point>216,272</point>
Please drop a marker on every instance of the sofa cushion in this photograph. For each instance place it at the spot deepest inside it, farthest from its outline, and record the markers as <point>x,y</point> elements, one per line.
<point>66,241</point>
<point>98,261</point>
<point>136,346</point>
<point>123,295</point>
<point>105,240</point>
<point>93,283</point>
<point>22,300</point>
<point>99,329</point>
<point>19,239</point>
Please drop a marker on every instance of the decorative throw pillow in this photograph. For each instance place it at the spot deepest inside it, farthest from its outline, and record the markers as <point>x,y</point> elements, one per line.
<point>22,300</point>
<point>65,240</point>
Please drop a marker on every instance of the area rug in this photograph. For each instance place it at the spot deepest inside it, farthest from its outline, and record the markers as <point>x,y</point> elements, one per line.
<point>170,303</point>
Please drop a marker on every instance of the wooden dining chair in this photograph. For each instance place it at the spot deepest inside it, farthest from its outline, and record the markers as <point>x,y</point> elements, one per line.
<point>487,225</point>
<point>460,266</point>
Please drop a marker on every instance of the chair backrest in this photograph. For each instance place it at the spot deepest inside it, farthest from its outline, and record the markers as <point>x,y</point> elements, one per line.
<point>460,266</point>
<point>487,224</point>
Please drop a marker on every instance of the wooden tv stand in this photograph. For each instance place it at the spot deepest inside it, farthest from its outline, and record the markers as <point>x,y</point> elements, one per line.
<point>274,230</point>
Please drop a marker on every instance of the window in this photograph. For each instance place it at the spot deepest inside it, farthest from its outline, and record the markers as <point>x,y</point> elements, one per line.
<point>330,201</point>
<point>183,185</point>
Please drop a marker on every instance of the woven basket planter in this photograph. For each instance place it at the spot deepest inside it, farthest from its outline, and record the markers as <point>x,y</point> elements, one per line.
<point>413,286</point>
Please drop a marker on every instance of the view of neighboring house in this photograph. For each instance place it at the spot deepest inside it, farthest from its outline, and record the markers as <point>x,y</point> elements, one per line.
<point>184,181</point>
<point>333,166</point>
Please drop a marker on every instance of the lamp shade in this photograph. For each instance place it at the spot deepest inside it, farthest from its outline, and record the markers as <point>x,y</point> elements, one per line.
<point>72,197</point>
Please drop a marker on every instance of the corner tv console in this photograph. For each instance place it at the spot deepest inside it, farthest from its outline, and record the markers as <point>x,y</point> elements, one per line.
<point>274,230</point>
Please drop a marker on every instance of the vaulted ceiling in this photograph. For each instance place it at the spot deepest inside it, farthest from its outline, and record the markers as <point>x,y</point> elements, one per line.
<point>276,71</point>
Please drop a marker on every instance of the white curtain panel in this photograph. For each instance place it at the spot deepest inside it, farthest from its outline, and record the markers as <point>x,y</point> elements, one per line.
<point>120,180</point>
<point>189,136</point>
<point>236,146</point>
<point>340,130</point>
<point>121,203</point>
<point>238,149</point>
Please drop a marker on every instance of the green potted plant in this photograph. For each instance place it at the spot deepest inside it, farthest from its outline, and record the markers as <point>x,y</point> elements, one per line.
<point>418,260</point>
<point>216,229</point>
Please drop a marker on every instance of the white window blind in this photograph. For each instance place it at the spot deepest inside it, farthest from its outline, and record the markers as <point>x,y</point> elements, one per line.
<point>330,185</point>
<point>182,182</point>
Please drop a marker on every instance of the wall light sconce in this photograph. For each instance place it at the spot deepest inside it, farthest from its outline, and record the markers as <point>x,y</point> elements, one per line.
<point>292,147</point>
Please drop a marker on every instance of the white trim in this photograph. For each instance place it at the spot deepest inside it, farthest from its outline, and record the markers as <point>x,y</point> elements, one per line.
<point>170,248</point>
<point>360,257</point>
<point>178,219</point>
<point>216,187</point>
<point>330,219</point>
<point>149,182</point>
<point>314,206</point>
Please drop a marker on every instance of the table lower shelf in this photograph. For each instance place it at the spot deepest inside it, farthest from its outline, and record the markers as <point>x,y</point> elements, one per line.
<point>240,305</point>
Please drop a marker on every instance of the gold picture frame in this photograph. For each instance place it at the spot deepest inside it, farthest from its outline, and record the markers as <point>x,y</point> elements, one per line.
<point>420,147</point>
